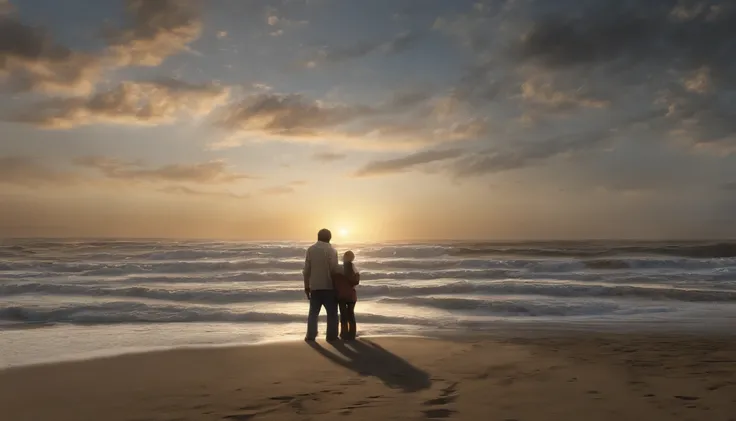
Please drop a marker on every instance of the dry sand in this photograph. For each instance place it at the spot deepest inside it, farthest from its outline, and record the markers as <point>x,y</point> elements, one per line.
<point>558,377</point>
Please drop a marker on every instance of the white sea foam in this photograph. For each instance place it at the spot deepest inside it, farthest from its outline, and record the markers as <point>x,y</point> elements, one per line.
<point>91,287</point>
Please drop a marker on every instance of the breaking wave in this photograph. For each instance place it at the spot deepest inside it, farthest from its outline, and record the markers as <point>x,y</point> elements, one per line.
<point>209,281</point>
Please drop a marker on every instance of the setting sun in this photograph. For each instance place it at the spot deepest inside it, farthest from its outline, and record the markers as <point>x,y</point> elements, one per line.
<point>343,232</point>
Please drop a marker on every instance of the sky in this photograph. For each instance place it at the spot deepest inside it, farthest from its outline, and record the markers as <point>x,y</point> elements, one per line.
<point>381,120</point>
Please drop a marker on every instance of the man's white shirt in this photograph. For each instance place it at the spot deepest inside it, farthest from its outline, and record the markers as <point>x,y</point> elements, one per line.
<point>320,262</point>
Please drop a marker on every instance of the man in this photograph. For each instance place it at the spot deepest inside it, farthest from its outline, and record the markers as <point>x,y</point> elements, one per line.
<point>321,262</point>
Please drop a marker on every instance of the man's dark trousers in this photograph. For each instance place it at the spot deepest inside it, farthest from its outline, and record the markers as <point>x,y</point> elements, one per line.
<point>322,298</point>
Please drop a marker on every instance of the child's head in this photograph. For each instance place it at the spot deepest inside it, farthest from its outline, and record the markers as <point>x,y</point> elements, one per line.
<point>349,256</point>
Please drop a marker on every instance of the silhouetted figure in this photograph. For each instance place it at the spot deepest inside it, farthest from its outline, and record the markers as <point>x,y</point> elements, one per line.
<point>345,284</point>
<point>319,266</point>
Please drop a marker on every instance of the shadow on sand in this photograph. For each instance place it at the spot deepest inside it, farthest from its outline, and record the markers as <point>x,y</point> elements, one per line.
<point>367,358</point>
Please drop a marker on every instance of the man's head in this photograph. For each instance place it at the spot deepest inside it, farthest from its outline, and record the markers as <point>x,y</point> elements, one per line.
<point>324,235</point>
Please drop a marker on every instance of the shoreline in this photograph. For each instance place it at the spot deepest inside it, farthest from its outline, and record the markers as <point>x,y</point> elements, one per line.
<point>564,375</point>
<point>499,331</point>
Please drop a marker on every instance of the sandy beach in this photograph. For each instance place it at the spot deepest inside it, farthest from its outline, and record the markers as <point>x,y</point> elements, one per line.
<point>545,377</point>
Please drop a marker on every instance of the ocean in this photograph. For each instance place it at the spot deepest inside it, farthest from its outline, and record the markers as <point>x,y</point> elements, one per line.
<point>73,299</point>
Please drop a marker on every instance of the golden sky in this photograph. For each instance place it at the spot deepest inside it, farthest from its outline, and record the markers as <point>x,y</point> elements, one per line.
<point>383,120</point>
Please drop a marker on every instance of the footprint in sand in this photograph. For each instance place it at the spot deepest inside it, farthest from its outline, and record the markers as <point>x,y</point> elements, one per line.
<point>239,417</point>
<point>447,397</point>
<point>250,407</point>
<point>360,404</point>
<point>717,386</point>
<point>282,398</point>
<point>440,401</point>
<point>251,411</point>
<point>434,414</point>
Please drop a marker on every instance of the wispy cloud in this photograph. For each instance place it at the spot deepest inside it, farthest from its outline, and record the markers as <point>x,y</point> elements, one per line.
<point>278,24</point>
<point>541,93</point>
<point>287,115</point>
<point>31,172</point>
<point>399,43</point>
<point>278,190</point>
<point>137,103</point>
<point>188,191</point>
<point>393,124</point>
<point>283,189</point>
<point>524,154</point>
<point>214,172</point>
<point>329,156</point>
<point>405,163</point>
<point>730,186</point>
<point>157,29</point>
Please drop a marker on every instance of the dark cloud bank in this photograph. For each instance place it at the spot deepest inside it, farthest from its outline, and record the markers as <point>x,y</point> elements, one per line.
<point>588,74</point>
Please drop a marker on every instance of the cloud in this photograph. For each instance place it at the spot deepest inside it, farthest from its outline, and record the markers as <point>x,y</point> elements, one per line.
<point>473,128</point>
<point>539,61</point>
<point>329,156</point>
<point>706,121</point>
<point>408,99</point>
<point>399,43</point>
<point>287,115</point>
<point>157,29</point>
<point>262,87</point>
<point>525,154</point>
<point>284,189</point>
<point>31,61</point>
<point>397,165</point>
<point>658,31</point>
<point>397,123</point>
<point>5,7</point>
<point>419,130</point>
<point>278,190</point>
<point>139,103</point>
<point>469,30</point>
<point>730,186</point>
<point>698,81</point>
<point>30,172</point>
<point>213,172</point>
<point>538,92</point>
<point>278,24</point>
<point>187,191</point>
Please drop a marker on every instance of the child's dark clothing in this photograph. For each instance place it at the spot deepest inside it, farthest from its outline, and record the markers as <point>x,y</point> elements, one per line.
<point>348,329</point>
<point>346,298</point>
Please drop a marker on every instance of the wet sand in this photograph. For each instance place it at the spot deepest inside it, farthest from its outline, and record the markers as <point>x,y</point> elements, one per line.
<point>560,376</point>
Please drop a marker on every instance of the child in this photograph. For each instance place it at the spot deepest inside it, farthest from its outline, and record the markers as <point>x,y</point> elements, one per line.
<point>347,297</point>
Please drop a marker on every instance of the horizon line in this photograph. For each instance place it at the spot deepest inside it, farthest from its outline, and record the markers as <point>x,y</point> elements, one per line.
<point>433,240</point>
